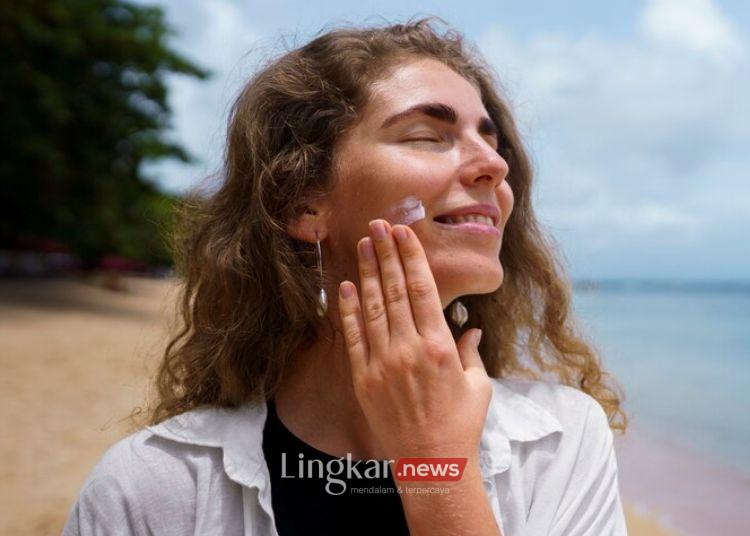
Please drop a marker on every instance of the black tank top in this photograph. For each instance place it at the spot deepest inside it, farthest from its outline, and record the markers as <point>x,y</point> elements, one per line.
<point>364,504</point>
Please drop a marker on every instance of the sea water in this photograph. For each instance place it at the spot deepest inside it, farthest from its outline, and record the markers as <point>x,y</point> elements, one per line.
<point>682,355</point>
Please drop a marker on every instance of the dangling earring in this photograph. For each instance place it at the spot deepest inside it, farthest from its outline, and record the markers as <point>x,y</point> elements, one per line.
<point>322,296</point>
<point>458,313</point>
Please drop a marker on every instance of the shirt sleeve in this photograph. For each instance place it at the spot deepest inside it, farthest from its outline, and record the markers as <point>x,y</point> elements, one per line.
<point>102,508</point>
<point>591,505</point>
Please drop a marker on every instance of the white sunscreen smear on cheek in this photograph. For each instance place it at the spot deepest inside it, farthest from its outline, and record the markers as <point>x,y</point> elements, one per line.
<point>407,211</point>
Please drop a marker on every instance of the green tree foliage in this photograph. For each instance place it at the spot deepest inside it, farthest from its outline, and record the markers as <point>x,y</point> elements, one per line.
<point>84,103</point>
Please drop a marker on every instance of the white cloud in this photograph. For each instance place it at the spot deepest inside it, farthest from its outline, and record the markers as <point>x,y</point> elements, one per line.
<point>623,116</point>
<point>696,25</point>
<point>639,144</point>
<point>217,36</point>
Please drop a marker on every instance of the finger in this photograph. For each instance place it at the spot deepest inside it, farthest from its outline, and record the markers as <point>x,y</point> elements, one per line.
<point>393,281</point>
<point>468,350</point>
<point>353,327</point>
<point>420,283</point>
<point>374,313</point>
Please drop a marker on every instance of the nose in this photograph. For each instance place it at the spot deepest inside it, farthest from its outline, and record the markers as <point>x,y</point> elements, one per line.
<point>483,163</point>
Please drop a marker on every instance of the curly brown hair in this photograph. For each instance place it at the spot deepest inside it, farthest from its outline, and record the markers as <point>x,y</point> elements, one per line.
<point>248,293</point>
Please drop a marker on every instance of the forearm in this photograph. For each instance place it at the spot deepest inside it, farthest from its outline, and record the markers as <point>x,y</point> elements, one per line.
<point>449,508</point>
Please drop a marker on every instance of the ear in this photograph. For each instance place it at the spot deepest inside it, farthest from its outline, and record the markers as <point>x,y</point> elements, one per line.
<point>313,219</point>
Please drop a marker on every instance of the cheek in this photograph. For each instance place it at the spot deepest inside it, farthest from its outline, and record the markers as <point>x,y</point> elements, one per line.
<point>505,199</point>
<point>392,183</point>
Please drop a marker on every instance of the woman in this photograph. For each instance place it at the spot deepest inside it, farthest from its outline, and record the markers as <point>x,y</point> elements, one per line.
<point>381,167</point>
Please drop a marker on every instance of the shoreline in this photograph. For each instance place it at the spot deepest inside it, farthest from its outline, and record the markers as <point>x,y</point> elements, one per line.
<point>688,492</point>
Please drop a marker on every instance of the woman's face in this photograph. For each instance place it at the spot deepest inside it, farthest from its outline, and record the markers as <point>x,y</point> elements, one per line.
<point>446,163</point>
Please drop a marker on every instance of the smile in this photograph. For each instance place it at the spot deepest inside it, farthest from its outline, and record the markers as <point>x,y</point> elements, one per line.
<point>476,218</point>
<point>481,225</point>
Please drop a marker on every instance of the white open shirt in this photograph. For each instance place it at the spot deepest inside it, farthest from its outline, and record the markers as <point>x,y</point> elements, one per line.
<point>546,454</point>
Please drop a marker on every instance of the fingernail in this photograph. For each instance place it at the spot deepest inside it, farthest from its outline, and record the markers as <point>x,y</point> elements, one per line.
<point>366,249</point>
<point>477,337</point>
<point>378,229</point>
<point>347,290</point>
<point>399,232</point>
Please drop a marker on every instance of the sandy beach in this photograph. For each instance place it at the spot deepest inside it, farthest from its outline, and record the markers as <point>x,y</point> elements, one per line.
<point>78,357</point>
<point>682,489</point>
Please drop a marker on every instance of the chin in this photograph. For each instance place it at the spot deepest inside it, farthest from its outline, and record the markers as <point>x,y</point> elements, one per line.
<point>490,279</point>
<point>491,287</point>
<point>476,281</point>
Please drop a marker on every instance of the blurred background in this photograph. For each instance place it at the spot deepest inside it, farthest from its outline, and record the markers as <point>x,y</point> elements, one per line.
<point>634,115</point>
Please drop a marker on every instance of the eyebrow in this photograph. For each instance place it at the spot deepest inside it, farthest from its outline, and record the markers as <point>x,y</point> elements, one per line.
<point>442,112</point>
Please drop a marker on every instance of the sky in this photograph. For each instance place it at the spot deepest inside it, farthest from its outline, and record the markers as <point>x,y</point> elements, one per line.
<point>634,113</point>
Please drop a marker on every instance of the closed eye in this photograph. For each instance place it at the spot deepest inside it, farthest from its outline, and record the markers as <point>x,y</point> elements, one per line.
<point>424,139</point>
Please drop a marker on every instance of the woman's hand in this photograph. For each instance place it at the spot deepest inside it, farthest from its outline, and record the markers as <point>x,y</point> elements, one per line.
<point>422,394</point>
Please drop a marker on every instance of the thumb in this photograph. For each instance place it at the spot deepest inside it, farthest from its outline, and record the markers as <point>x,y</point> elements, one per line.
<point>468,349</point>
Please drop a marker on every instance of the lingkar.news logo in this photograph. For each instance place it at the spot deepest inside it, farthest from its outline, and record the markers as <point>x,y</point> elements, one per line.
<point>336,472</point>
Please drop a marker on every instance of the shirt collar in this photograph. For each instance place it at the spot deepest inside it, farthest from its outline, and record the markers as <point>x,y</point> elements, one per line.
<point>511,416</point>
